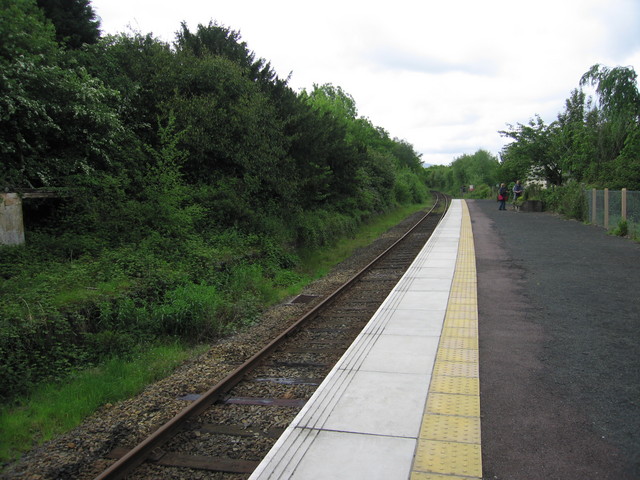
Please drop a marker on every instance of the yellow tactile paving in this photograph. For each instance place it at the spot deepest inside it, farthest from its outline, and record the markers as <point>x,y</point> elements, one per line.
<point>460,342</point>
<point>457,355</point>
<point>449,445</point>
<point>457,385</point>
<point>456,369</point>
<point>435,476</point>
<point>464,309</point>
<point>450,404</point>
<point>458,322</point>
<point>451,428</point>
<point>451,458</point>
<point>459,332</point>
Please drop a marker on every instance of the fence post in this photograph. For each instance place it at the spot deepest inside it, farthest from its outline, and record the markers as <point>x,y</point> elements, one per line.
<point>606,208</point>
<point>594,198</point>
<point>624,204</point>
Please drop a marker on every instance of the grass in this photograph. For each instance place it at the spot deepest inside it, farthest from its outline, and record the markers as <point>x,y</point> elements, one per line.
<point>316,263</point>
<point>55,408</point>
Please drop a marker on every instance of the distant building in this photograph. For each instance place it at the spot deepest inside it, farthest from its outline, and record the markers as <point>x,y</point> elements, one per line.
<point>536,178</point>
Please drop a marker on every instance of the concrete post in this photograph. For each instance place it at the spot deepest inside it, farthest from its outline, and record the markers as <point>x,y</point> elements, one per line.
<point>606,208</point>
<point>11,223</point>
<point>624,204</point>
<point>594,199</point>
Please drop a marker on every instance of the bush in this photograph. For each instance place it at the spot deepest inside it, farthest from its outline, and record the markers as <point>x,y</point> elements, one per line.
<point>567,200</point>
<point>321,227</point>
<point>622,230</point>
<point>480,191</point>
<point>190,311</point>
<point>31,351</point>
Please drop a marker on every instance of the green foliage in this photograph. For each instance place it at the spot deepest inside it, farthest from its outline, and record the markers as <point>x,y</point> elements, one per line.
<point>54,408</point>
<point>480,170</point>
<point>74,20</point>
<point>532,148</point>
<point>568,200</point>
<point>322,227</point>
<point>188,176</point>
<point>220,41</point>
<point>622,230</point>
<point>591,142</point>
<point>190,311</point>
<point>25,33</point>
<point>48,134</point>
<point>481,192</point>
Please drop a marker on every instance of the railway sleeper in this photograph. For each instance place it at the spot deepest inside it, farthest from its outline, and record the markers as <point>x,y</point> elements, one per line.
<point>271,402</point>
<point>198,462</point>
<point>289,381</point>
<point>237,430</point>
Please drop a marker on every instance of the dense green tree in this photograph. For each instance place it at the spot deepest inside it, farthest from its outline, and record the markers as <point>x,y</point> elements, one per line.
<point>344,154</point>
<point>590,142</point>
<point>55,121</point>
<point>74,20</point>
<point>617,125</point>
<point>574,137</point>
<point>477,169</point>
<point>481,169</point>
<point>217,40</point>
<point>406,155</point>
<point>25,33</point>
<point>531,149</point>
<point>617,90</point>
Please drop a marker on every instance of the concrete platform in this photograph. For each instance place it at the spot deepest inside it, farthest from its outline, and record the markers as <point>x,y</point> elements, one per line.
<point>403,402</point>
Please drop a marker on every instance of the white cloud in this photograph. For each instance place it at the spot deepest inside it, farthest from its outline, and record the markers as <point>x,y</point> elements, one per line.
<point>445,76</point>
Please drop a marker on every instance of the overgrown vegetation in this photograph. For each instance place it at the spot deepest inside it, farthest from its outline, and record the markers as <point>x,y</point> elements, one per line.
<point>622,230</point>
<point>189,178</point>
<point>57,406</point>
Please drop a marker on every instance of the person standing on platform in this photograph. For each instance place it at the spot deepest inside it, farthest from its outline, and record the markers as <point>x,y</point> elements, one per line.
<point>503,194</point>
<point>517,191</point>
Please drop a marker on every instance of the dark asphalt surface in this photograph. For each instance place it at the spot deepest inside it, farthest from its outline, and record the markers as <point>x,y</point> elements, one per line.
<point>559,333</point>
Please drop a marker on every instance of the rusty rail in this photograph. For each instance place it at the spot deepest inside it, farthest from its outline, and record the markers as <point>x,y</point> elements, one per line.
<point>137,455</point>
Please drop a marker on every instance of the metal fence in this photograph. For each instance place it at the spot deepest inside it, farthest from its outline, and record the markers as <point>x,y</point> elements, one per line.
<point>607,208</point>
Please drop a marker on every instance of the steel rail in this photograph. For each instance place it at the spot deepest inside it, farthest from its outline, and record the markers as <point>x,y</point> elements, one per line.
<point>137,455</point>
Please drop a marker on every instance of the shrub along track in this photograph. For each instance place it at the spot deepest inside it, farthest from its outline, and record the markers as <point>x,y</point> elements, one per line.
<point>228,439</point>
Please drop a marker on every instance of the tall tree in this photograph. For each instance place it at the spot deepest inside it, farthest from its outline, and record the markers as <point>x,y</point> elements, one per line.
<point>617,90</point>
<point>574,139</point>
<point>531,148</point>
<point>74,20</point>
<point>618,135</point>
<point>25,32</point>
<point>54,121</point>
<point>217,40</point>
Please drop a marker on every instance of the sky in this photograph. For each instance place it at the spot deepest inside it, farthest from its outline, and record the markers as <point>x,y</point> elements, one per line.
<point>445,76</point>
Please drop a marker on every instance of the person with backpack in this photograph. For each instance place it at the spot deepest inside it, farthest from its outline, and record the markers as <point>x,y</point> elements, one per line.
<point>503,194</point>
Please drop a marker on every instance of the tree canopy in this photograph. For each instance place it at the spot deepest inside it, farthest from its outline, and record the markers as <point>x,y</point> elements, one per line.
<point>595,142</point>
<point>75,21</point>
<point>251,147</point>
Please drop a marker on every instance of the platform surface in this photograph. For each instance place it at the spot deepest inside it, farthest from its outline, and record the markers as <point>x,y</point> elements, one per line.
<point>403,402</point>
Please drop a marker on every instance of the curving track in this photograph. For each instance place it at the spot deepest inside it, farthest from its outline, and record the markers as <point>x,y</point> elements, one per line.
<point>226,431</point>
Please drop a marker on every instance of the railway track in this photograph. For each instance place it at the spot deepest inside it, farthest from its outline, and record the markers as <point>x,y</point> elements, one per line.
<point>226,431</point>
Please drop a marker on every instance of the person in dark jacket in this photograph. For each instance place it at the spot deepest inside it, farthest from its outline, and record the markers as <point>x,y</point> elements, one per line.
<point>503,193</point>
<point>517,190</point>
